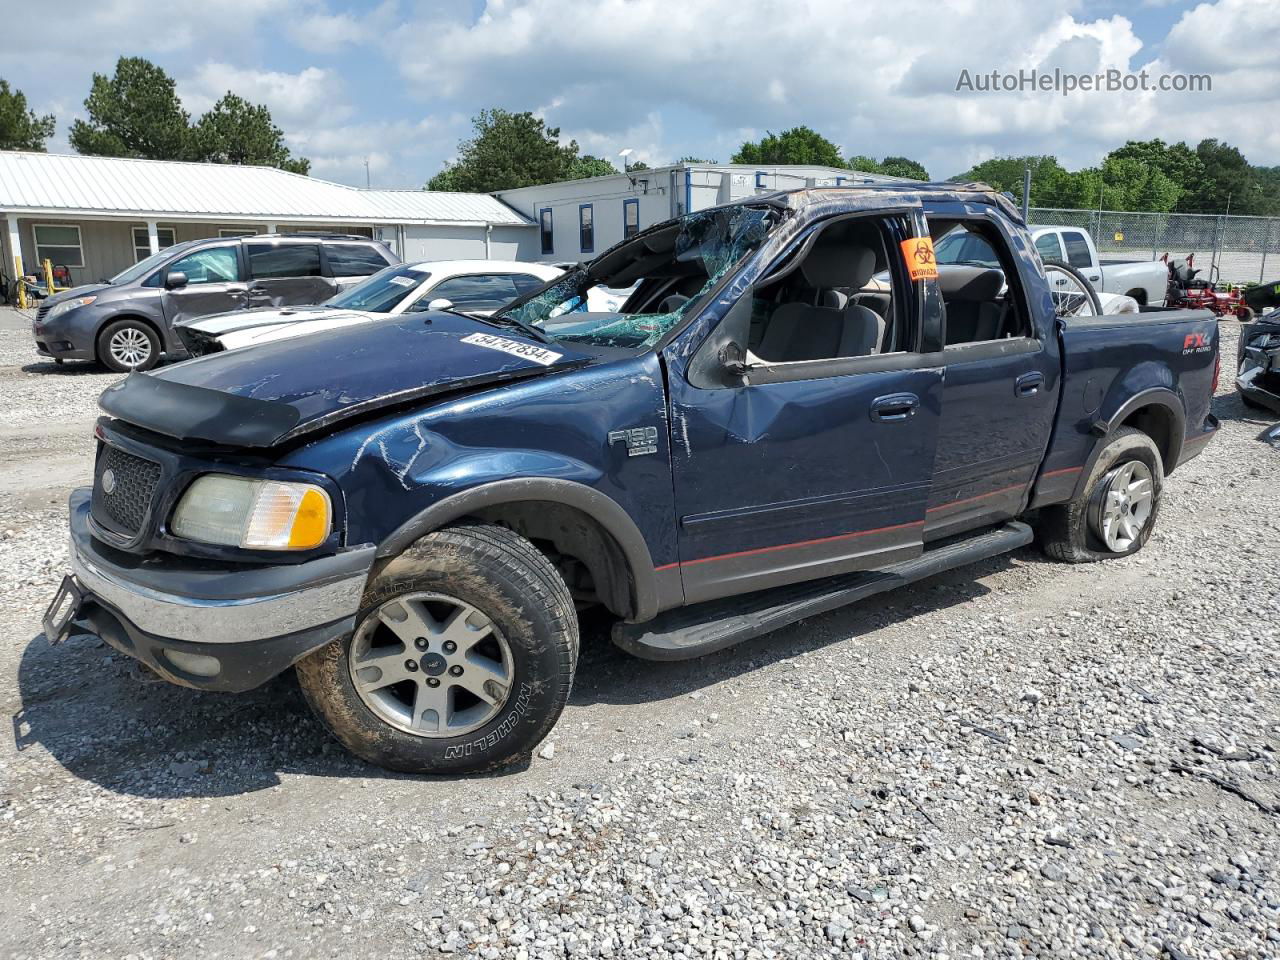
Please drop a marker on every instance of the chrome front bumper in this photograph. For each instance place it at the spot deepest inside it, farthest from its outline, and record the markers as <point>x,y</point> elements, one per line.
<point>248,623</point>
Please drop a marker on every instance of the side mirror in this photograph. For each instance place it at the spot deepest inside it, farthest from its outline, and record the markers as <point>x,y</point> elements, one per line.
<point>440,303</point>
<point>175,280</point>
<point>734,360</point>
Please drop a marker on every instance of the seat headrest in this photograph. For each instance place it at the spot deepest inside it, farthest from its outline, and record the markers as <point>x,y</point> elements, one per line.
<point>838,265</point>
<point>970,284</point>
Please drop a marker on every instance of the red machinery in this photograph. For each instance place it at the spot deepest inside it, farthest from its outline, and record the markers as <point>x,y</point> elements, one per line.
<point>1185,290</point>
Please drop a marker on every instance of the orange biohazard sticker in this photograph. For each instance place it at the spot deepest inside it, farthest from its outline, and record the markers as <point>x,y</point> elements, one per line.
<point>918,253</point>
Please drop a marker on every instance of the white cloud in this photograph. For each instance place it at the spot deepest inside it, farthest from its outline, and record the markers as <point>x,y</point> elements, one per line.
<point>322,32</point>
<point>695,77</point>
<point>869,76</point>
<point>312,95</point>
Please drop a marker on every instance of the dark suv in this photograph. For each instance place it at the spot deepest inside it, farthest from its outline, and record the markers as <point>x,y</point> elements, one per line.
<point>126,323</point>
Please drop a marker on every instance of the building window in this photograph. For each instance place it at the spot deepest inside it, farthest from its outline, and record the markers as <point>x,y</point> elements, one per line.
<point>142,245</point>
<point>544,227</point>
<point>59,243</point>
<point>760,175</point>
<point>839,181</point>
<point>630,218</point>
<point>586,228</point>
<point>228,232</point>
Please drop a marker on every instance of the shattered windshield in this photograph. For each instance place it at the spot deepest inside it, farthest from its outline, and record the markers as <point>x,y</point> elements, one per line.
<point>670,269</point>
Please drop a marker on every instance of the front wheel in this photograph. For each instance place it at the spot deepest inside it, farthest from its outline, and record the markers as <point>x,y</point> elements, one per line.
<point>1116,512</point>
<point>128,345</point>
<point>462,659</point>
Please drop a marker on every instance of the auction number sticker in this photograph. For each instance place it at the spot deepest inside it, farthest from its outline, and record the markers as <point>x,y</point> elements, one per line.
<point>918,254</point>
<point>527,351</point>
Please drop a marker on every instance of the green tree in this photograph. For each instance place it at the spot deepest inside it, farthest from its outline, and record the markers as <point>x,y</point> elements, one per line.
<point>133,113</point>
<point>1051,184</point>
<point>1228,180</point>
<point>863,164</point>
<point>21,128</point>
<point>1128,183</point>
<point>237,131</point>
<point>589,166</point>
<point>638,165</point>
<point>903,167</point>
<point>507,150</point>
<point>1176,161</point>
<point>799,145</point>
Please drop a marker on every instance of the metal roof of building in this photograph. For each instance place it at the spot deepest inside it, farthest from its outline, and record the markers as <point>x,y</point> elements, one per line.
<point>50,183</point>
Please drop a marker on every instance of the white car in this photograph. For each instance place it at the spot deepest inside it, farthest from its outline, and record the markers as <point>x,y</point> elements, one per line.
<point>476,286</point>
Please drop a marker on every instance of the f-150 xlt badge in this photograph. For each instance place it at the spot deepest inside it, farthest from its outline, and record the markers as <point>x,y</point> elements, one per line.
<point>639,440</point>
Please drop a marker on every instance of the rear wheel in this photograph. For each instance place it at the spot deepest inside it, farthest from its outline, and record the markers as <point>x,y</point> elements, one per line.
<point>462,659</point>
<point>1117,510</point>
<point>128,345</point>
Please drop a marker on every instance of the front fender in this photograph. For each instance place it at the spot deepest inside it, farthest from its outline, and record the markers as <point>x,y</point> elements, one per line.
<point>611,517</point>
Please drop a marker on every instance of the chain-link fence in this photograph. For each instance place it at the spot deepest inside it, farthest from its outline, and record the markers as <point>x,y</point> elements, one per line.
<point>1232,249</point>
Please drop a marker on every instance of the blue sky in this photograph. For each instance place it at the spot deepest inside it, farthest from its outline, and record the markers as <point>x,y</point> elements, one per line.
<point>397,81</point>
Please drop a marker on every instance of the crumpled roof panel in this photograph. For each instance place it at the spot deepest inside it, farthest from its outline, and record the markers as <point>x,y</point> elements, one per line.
<point>169,189</point>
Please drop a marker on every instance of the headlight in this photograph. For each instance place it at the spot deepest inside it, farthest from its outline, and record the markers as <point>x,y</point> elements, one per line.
<point>256,514</point>
<point>58,309</point>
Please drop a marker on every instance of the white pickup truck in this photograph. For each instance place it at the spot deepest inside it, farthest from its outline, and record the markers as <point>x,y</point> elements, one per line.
<point>1144,280</point>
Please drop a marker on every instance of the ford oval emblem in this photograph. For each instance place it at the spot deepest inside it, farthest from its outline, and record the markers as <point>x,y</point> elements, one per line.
<point>108,481</point>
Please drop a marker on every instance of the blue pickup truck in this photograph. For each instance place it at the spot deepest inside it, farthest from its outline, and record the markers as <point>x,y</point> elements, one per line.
<point>794,408</point>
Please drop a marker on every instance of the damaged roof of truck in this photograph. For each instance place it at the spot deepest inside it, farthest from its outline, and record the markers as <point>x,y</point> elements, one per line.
<point>275,393</point>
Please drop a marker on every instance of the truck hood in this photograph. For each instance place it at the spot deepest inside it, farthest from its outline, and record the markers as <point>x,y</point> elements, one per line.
<point>285,389</point>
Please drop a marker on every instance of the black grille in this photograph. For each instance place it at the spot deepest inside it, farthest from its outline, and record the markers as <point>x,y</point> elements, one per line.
<point>43,309</point>
<point>133,484</point>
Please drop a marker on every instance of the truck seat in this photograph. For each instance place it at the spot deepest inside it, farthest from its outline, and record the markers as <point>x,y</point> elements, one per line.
<point>802,331</point>
<point>972,298</point>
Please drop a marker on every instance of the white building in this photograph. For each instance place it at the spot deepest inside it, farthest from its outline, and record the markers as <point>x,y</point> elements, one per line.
<point>96,216</point>
<point>579,218</point>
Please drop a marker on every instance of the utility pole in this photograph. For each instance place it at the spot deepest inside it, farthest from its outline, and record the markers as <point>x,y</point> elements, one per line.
<point>1026,195</point>
<point>367,182</point>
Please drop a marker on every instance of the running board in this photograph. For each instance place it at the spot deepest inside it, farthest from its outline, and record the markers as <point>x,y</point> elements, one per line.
<point>694,631</point>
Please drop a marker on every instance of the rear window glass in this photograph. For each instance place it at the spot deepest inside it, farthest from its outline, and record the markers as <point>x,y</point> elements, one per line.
<point>1077,249</point>
<point>272,260</point>
<point>352,260</point>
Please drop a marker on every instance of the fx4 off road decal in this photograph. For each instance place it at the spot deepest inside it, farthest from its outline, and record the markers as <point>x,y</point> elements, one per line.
<point>1195,343</point>
<point>528,351</point>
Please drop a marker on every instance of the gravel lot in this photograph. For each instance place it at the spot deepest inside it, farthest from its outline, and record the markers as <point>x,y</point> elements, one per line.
<point>1016,759</point>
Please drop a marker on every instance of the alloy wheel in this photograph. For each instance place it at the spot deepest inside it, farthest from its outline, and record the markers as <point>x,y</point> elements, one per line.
<point>1123,505</point>
<point>431,665</point>
<point>129,347</point>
